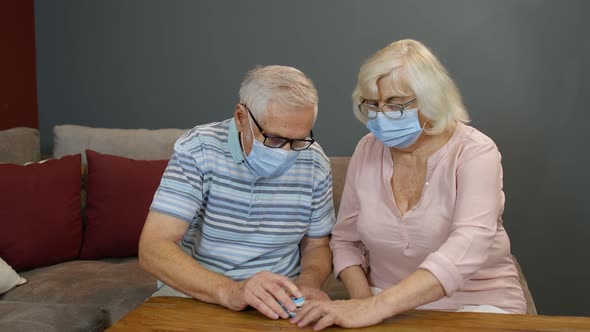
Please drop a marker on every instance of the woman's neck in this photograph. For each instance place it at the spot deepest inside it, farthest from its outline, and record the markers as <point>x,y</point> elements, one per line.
<point>425,146</point>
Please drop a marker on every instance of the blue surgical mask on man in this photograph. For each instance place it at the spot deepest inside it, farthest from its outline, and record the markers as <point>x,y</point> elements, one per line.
<point>269,162</point>
<point>396,133</point>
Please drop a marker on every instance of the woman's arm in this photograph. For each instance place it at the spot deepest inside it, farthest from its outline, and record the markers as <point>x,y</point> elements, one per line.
<point>421,287</point>
<point>356,282</point>
<point>348,257</point>
<point>478,207</point>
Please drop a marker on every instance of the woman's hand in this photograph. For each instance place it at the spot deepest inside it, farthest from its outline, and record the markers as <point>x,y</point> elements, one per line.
<point>312,293</point>
<point>348,313</point>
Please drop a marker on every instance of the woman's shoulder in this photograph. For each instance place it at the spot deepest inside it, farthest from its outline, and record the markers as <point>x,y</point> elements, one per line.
<point>473,142</point>
<point>367,143</point>
<point>368,151</point>
<point>471,135</point>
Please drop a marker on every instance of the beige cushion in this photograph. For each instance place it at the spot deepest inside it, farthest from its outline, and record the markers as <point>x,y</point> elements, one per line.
<point>339,167</point>
<point>531,308</point>
<point>19,145</point>
<point>143,144</point>
<point>8,277</point>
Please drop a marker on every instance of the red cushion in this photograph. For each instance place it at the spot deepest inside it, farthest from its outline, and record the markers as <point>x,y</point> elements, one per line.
<point>40,220</point>
<point>119,193</point>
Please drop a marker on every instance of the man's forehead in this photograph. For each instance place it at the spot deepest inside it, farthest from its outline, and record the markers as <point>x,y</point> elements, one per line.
<point>288,123</point>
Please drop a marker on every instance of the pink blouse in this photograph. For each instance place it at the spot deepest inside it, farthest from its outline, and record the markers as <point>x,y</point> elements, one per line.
<point>454,231</point>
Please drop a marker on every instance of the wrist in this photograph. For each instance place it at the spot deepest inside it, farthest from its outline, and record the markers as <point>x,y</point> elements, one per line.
<point>227,294</point>
<point>303,282</point>
<point>383,307</point>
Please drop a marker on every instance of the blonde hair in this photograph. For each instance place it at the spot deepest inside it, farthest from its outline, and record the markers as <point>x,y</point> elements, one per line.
<point>286,86</point>
<point>413,70</point>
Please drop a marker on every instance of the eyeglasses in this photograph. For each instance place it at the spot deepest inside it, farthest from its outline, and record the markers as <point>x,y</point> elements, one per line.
<point>391,110</point>
<point>275,142</point>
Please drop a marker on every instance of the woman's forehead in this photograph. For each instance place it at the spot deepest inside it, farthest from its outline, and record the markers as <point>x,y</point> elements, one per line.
<point>386,87</point>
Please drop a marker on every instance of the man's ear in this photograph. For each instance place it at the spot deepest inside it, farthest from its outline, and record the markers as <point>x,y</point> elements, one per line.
<point>240,117</point>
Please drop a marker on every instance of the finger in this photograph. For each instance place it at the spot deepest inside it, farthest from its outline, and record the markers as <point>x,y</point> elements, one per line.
<point>312,316</point>
<point>257,304</point>
<point>324,322</point>
<point>280,295</point>
<point>302,312</point>
<point>288,285</point>
<point>272,303</point>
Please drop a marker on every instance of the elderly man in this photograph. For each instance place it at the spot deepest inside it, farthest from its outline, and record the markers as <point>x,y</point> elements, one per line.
<point>244,210</point>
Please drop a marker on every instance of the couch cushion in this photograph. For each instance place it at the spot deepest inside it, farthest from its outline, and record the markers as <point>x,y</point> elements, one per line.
<point>22,316</point>
<point>19,145</point>
<point>531,308</point>
<point>119,194</point>
<point>40,212</point>
<point>142,144</point>
<point>339,167</point>
<point>117,285</point>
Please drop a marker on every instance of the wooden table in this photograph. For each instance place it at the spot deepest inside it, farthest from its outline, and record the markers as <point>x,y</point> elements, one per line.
<point>182,314</point>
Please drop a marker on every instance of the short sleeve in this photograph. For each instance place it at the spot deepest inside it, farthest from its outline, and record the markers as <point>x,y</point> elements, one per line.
<point>322,203</point>
<point>180,193</point>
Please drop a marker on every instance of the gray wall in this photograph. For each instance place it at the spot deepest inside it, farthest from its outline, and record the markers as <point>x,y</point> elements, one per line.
<point>523,68</point>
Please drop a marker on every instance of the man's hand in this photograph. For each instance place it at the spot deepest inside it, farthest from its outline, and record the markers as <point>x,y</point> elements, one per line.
<point>262,291</point>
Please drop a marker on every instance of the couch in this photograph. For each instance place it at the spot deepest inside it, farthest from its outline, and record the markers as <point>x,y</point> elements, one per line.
<point>91,294</point>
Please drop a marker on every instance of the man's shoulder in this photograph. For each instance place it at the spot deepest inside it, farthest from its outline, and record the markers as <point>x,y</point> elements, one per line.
<point>212,135</point>
<point>318,156</point>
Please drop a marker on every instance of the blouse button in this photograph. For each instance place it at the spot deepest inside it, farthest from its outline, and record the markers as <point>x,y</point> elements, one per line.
<point>408,250</point>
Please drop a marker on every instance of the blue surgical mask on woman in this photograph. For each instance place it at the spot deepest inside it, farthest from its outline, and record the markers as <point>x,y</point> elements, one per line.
<point>396,133</point>
<point>269,162</point>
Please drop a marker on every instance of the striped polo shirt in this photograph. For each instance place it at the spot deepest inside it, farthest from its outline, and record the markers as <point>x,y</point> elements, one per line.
<point>240,224</point>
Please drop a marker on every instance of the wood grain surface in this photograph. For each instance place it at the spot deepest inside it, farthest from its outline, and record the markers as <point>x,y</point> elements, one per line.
<point>182,314</point>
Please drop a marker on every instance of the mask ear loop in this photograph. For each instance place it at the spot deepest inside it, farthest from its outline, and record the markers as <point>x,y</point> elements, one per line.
<point>425,122</point>
<point>242,136</point>
<point>250,119</point>
<point>424,125</point>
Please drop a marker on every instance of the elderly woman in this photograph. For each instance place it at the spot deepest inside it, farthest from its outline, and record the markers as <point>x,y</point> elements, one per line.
<point>420,221</point>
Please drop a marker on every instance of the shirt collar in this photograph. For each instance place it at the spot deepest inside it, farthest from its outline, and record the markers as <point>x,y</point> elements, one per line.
<point>233,141</point>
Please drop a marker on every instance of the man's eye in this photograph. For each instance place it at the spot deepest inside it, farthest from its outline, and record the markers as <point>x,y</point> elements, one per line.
<point>275,141</point>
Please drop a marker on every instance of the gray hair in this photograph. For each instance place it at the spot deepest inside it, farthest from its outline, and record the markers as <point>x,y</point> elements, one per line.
<point>414,70</point>
<point>286,86</point>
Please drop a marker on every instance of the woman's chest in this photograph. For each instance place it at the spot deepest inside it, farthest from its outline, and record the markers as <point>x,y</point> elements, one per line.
<point>407,185</point>
<point>425,222</point>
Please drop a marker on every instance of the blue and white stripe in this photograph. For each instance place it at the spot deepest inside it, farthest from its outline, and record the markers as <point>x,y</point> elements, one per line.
<point>240,224</point>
